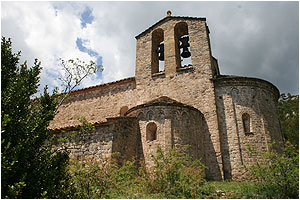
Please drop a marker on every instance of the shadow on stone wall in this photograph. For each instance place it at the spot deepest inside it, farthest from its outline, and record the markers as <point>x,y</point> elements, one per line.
<point>139,149</point>
<point>213,171</point>
<point>227,170</point>
<point>125,137</point>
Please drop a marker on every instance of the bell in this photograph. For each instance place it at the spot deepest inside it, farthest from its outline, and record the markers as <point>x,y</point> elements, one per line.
<point>160,52</point>
<point>184,45</point>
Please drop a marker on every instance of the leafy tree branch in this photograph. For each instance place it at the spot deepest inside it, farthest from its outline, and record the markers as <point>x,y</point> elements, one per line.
<point>74,72</point>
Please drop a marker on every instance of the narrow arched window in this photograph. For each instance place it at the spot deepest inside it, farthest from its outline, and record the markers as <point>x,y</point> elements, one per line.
<point>151,131</point>
<point>182,45</point>
<point>123,110</point>
<point>246,123</point>
<point>157,54</point>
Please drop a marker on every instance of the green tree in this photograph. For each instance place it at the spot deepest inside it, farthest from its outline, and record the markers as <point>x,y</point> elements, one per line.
<point>29,169</point>
<point>288,108</point>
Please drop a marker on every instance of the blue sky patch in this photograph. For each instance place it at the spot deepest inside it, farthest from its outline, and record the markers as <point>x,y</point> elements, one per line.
<point>82,48</point>
<point>80,45</point>
<point>86,17</point>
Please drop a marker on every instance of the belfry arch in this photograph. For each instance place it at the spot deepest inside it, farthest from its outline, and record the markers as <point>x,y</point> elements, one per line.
<point>157,52</point>
<point>182,50</point>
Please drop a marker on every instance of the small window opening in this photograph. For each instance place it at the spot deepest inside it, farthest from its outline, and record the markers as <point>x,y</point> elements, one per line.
<point>123,110</point>
<point>151,131</point>
<point>246,123</point>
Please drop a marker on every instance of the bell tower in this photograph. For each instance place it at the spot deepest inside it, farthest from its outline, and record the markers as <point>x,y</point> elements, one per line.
<point>174,59</point>
<point>174,44</point>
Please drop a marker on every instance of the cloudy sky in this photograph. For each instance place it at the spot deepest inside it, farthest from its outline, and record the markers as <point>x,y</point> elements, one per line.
<point>255,39</point>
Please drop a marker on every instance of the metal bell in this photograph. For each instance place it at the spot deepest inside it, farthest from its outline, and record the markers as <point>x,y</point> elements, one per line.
<point>184,45</point>
<point>160,51</point>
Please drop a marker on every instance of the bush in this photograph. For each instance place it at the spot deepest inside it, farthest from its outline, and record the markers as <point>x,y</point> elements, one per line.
<point>101,179</point>
<point>89,178</point>
<point>278,175</point>
<point>176,175</point>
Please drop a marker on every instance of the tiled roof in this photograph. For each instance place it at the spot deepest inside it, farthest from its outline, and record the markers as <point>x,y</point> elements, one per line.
<point>98,123</point>
<point>88,89</point>
<point>74,127</point>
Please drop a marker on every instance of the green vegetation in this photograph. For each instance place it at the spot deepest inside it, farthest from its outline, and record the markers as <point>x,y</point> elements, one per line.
<point>288,109</point>
<point>174,175</point>
<point>278,175</point>
<point>29,169</point>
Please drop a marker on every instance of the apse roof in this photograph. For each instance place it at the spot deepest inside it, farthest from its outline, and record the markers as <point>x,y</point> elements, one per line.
<point>161,101</point>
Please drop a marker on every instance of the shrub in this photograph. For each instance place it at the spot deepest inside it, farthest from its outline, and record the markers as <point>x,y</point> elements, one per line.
<point>101,179</point>
<point>278,174</point>
<point>89,178</point>
<point>176,175</point>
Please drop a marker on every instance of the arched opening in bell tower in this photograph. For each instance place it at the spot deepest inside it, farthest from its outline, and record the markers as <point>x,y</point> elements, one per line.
<point>157,54</point>
<point>182,45</point>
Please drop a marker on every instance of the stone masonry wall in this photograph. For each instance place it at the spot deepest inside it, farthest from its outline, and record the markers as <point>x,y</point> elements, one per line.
<point>176,127</point>
<point>96,144</point>
<point>95,105</point>
<point>116,135</point>
<point>234,98</point>
<point>126,139</point>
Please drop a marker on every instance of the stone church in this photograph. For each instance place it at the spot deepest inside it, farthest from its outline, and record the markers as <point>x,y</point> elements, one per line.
<point>176,98</point>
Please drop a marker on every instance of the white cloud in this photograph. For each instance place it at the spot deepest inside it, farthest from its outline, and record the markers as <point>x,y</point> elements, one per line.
<point>113,43</point>
<point>257,39</point>
<point>40,33</point>
<point>49,30</point>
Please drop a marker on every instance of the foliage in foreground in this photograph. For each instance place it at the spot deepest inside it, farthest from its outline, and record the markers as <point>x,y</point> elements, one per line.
<point>278,175</point>
<point>288,109</point>
<point>174,175</point>
<point>29,169</point>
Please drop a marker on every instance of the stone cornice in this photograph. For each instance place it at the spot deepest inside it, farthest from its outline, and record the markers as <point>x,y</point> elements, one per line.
<point>167,19</point>
<point>228,80</point>
<point>101,86</point>
<point>161,101</point>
